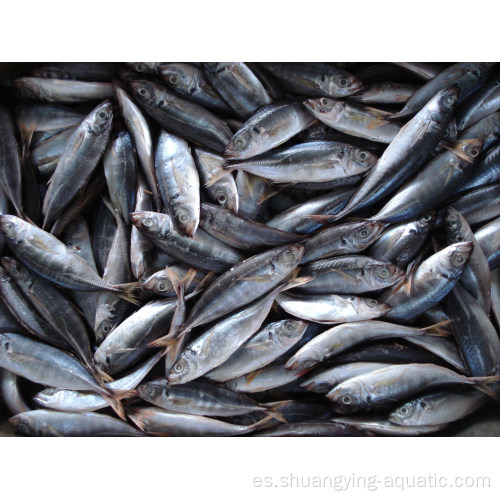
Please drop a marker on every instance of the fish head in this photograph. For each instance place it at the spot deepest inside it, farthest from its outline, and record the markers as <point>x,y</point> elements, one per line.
<point>244,144</point>
<point>361,160</point>
<point>348,396</point>
<point>51,72</point>
<point>411,413</point>
<point>425,223</point>
<point>100,118</point>
<point>147,93</point>
<point>182,368</point>
<point>325,106</point>
<point>290,331</point>
<point>26,423</point>
<point>186,219</point>
<point>387,274</point>
<point>159,283</point>
<point>178,76</point>
<point>457,257</point>
<point>28,88</point>
<point>105,321</point>
<point>17,270</point>
<point>46,397</point>
<point>152,223</point>
<point>153,390</point>
<point>360,235</point>
<point>11,226</point>
<point>288,257</point>
<point>224,197</point>
<point>443,103</point>
<point>456,226</point>
<point>140,67</point>
<point>341,84</point>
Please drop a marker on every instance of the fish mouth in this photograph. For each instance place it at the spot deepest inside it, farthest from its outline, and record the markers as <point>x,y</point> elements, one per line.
<point>136,217</point>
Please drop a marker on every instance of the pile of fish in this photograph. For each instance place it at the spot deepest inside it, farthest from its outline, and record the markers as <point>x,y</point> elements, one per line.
<point>273,249</point>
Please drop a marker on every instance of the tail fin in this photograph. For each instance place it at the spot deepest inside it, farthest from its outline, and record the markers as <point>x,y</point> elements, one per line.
<point>273,410</point>
<point>482,383</point>
<point>438,329</point>
<point>127,292</point>
<point>101,376</point>
<point>114,397</point>
<point>259,424</point>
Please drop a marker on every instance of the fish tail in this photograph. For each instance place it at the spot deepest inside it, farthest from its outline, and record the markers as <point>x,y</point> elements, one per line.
<point>439,329</point>
<point>127,292</point>
<point>482,383</point>
<point>261,423</point>
<point>137,418</point>
<point>273,409</point>
<point>101,376</point>
<point>114,398</point>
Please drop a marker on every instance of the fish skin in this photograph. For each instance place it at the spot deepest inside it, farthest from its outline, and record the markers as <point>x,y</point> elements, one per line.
<point>488,237</point>
<point>182,117</point>
<point>178,181</point>
<point>11,394</point>
<point>10,160</point>
<point>384,93</point>
<point>80,157</point>
<point>202,251</point>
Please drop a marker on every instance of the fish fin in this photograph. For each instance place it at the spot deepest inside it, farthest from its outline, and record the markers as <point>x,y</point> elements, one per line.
<point>147,191</point>
<point>260,423</point>
<point>249,185</point>
<point>347,276</point>
<point>323,219</point>
<point>101,376</point>
<point>458,147</point>
<point>188,278</point>
<point>421,132</point>
<point>273,409</point>
<point>202,283</point>
<point>481,384</point>
<point>439,329</point>
<point>379,117</point>
<point>401,284</point>
<point>250,377</point>
<point>219,175</point>
<point>137,418</point>
<point>38,243</point>
<point>114,400</point>
<point>294,282</point>
<point>268,194</point>
<point>127,292</point>
<point>179,179</point>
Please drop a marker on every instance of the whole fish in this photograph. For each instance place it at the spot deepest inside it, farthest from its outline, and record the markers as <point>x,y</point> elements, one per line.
<point>435,182</point>
<point>62,91</point>
<point>120,171</point>
<point>393,384</point>
<point>340,338</point>
<point>309,162</point>
<point>197,398</point>
<point>432,281</point>
<point>52,259</point>
<point>178,181</point>
<point>267,129</point>
<point>244,283</point>
<point>159,422</point>
<point>354,119</point>
<point>314,79</point>
<point>438,408</point>
<point>262,349</point>
<point>476,278</point>
<point>81,401</point>
<point>242,233</point>
<point>331,309</point>
<point>182,117</point>
<point>64,424</point>
<point>352,237</point>
<point>400,243</point>
<point>349,274</point>
<point>139,130</point>
<point>407,152</point>
<point>466,76</point>
<point>190,82</point>
<point>81,154</point>
<point>201,251</point>
<point>238,86</point>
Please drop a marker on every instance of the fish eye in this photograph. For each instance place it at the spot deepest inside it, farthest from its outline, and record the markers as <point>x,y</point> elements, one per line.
<point>239,142</point>
<point>147,222</point>
<point>102,115</point>
<point>473,152</point>
<point>426,218</point>
<point>222,199</point>
<point>384,272</point>
<point>149,390</point>
<point>6,346</point>
<point>288,257</point>
<point>173,79</point>
<point>423,404</point>
<point>15,271</point>
<point>140,67</point>
<point>178,367</point>
<point>453,223</point>
<point>363,232</point>
<point>346,399</point>
<point>324,101</point>
<point>106,328</point>
<point>372,302</point>
<point>142,91</point>
<point>343,82</point>
<point>362,155</point>
<point>183,217</point>
<point>404,410</point>
<point>460,259</point>
<point>449,100</point>
<point>289,327</point>
<point>162,286</point>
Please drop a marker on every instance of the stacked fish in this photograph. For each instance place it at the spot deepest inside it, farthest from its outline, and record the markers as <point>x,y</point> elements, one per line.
<point>281,249</point>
